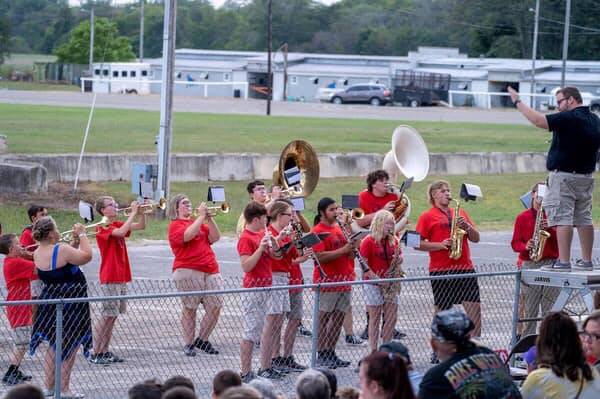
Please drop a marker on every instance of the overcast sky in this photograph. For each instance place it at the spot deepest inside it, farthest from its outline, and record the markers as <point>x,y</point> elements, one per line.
<point>216,3</point>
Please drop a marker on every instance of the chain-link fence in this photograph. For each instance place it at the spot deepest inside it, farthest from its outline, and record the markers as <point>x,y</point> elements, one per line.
<point>150,335</point>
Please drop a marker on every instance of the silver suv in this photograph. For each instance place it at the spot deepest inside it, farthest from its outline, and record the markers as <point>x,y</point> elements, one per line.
<point>369,93</point>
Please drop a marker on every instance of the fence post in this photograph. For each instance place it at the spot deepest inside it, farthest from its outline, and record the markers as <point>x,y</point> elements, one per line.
<point>58,350</point>
<point>315,328</point>
<point>515,320</point>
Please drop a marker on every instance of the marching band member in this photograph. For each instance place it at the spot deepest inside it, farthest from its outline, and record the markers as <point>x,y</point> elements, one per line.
<point>375,197</point>
<point>532,296</point>
<point>286,271</point>
<point>258,193</point>
<point>380,250</point>
<point>336,257</point>
<point>434,226</point>
<point>34,212</point>
<point>256,248</point>
<point>195,268</point>
<point>115,272</point>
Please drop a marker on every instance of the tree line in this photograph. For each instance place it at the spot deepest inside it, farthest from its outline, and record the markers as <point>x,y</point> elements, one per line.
<point>375,27</point>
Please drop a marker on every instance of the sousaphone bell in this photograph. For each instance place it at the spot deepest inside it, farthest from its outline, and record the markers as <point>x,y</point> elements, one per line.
<point>298,169</point>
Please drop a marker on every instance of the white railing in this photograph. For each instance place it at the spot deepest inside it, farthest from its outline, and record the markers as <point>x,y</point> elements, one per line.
<point>525,97</point>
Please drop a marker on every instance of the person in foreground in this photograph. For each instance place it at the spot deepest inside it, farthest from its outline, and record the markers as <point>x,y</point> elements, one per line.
<point>383,375</point>
<point>562,369</point>
<point>466,370</point>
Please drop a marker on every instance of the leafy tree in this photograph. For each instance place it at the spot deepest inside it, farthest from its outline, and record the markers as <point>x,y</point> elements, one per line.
<point>108,45</point>
<point>4,38</point>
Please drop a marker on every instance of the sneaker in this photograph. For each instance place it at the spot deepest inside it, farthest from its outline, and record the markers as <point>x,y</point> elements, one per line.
<point>15,378</point>
<point>48,393</point>
<point>113,358</point>
<point>583,266</point>
<point>292,365</point>
<point>365,334</point>
<point>325,360</point>
<point>557,267</point>
<point>189,350</point>
<point>354,340</point>
<point>398,334</point>
<point>270,374</point>
<point>205,346</point>
<point>100,359</point>
<point>246,378</point>
<point>433,359</point>
<point>279,364</point>
<point>304,332</point>
<point>69,395</point>
<point>339,362</point>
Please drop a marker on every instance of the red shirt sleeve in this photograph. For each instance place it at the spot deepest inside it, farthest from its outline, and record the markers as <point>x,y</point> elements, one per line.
<point>245,246</point>
<point>26,238</point>
<point>519,241</point>
<point>18,269</point>
<point>176,232</point>
<point>366,247</point>
<point>423,226</point>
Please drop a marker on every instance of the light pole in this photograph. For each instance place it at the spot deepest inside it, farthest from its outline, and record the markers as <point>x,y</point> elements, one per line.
<point>565,43</point>
<point>269,44</point>
<point>142,30</point>
<point>534,50</point>
<point>91,38</point>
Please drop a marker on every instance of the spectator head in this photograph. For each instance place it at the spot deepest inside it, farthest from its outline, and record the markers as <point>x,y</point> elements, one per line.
<point>265,387</point>
<point>44,229</point>
<point>590,335</point>
<point>559,347</point>
<point>178,381</point>
<point>331,378</point>
<point>312,384</point>
<point>34,212</point>
<point>375,176</point>
<point>243,392</point>
<point>530,359</point>
<point>145,390</point>
<point>397,348</point>
<point>25,391</point>
<point>565,95</point>
<point>179,392</point>
<point>348,393</point>
<point>384,375</point>
<point>450,333</point>
<point>225,379</point>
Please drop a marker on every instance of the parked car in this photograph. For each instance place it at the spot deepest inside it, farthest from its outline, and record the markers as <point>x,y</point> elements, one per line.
<point>595,105</point>
<point>374,94</point>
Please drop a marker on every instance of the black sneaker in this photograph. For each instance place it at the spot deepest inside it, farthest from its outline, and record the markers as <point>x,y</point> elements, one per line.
<point>365,334</point>
<point>246,378</point>
<point>398,334</point>
<point>304,332</point>
<point>354,340</point>
<point>99,359</point>
<point>270,374</point>
<point>292,365</point>
<point>189,350</point>
<point>205,346</point>
<point>339,362</point>
<point>113,358</point>
<point>279,364</point>
<point>325,360</point>
<point>15,377</point>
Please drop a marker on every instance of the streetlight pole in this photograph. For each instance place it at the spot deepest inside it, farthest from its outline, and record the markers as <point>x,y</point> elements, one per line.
<point>142,30</point>
<point>269,45</point>
<point>534,51</point>
<point>91,38</point>
<point>565,43</point>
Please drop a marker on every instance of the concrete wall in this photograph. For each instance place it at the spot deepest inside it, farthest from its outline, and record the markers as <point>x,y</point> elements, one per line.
<point>246,166</point>
<point>22,177</point>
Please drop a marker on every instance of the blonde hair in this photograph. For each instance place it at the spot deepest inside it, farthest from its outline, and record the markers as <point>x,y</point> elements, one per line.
<point>174,205</point>
<point>279,207</point>
<point>378,225</point>
<point>43,227</point>
<point>100,203</point>
<point>436,185</point>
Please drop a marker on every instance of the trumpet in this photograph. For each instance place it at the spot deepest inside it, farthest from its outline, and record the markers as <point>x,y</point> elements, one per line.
<point>66,236</point>
<point>354,213</point>
<point>284,193</point>
<point>214,210</point>
<point>146,209</point>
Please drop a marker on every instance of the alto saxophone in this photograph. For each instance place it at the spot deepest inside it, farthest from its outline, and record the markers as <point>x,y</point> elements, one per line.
<point>456,234</point>
<point>539,238</point>
<point>389,291</point>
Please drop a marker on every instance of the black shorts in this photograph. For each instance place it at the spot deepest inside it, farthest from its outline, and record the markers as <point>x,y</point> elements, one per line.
<point>448,292</point>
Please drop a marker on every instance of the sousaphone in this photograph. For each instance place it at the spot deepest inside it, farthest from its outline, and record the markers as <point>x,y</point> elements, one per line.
<point>409,156</point>
<point>298,168</point>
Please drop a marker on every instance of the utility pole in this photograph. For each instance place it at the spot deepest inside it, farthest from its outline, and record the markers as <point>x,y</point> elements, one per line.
<point>165,137</point>
<point>285,75</point>
<point>565,43</point>
<point>142,30</point>
<point>91,40</point>
<point>269,44</point>
<point>534,51</point>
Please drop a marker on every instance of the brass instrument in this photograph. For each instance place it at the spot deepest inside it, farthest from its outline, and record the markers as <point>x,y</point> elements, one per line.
<point>298,154</point>
<point>67,236</point>
<point>145,209</point>
<point>539,238</point>
<point>214,210</point>
<point>354,213</point>
<point>389,291</point>
<point>456,234</point>
<point>410,157</point>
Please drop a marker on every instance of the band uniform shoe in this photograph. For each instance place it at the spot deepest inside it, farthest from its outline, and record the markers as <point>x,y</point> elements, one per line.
<point>69,395</point>
<point>557,267</point>
<point>398,334</point>
<point>304,332</point>
<point>48,393</point>
<point>270,374</point>
<point>15,377</point>
<point>365,334</point>
<point>583,266</point>
<point>339,362</point>
<point>113,358</point>
<point>288,364</point>
<point>354,340</point>
<point>189,350</point>
<point>279,364</point>
<point>100,359</point>
<point>324,359</point>
<point>205,346</point>
<point>246,378</point>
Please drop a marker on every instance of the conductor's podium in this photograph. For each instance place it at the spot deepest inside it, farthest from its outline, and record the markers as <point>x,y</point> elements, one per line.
<point>569,282</point>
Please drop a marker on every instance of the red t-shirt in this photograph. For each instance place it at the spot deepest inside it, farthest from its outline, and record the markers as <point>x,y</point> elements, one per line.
<point>284,264</point>
<point>340,269</point>
<point>195,254</point>
<point>26,240</point>
<point>434,226</point>
<point>18,274</point>
<point>260,275</point>
<point>370,203</point>
<point>114,267</point>
<point>378,256</point>
<point>523,231</point>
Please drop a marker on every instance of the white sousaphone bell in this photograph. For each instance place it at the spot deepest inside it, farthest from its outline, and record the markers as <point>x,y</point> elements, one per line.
<point>410,157</point>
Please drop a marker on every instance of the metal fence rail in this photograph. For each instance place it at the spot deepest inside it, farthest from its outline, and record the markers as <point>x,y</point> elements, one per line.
<point>149,335</point>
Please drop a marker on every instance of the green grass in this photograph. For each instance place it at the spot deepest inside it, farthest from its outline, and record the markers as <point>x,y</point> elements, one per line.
<point>496,211</point>
<point>5,84</point>
<point>47,129</point>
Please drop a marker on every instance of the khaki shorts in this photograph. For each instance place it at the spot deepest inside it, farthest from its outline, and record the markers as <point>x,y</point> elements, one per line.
<point>296,305</point>
<point>568,200</point>
<point>194,280</point>
<point>332,301</point>
<point>113,308</point>
<point>280,299</point>
<point>36,288</point>
<point>255,308</point>
<point>374,296</point>
<point>22,336</point>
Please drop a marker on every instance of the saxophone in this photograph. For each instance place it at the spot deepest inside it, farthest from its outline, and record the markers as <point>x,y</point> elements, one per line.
<point>539,237</point>
<point>389,291</point>
<point>456,234</point>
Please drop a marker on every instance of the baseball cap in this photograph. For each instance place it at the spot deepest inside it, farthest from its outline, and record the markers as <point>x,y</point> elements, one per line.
<point>396,347</point>
<point>451,325</point>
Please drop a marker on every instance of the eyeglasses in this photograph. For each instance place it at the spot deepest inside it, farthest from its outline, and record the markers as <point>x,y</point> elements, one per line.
<point>587,336</point>
<point>561,100</point>
<point>287,214</point>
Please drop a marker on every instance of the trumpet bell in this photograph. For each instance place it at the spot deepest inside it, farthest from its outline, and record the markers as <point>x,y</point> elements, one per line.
<point>357,213</point>
<point>409,155</point>
<point>299,154</point>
